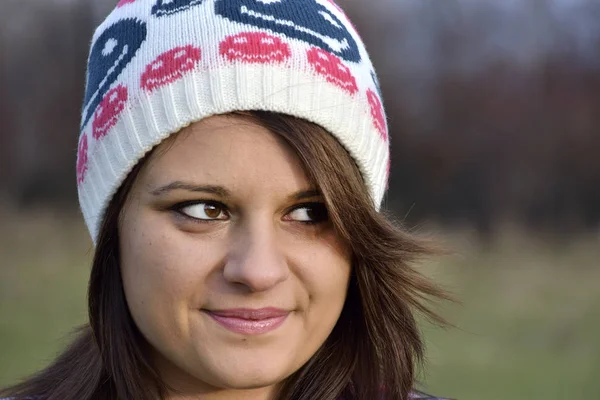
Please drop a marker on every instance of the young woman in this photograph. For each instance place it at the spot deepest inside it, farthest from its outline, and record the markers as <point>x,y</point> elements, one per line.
<point>232,160</point>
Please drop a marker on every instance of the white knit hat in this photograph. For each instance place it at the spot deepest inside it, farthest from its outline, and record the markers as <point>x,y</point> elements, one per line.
<point>157,66</point>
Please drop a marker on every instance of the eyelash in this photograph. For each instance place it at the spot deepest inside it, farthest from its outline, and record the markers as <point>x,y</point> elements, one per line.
<point>314,204</point>
<point>178,208</point>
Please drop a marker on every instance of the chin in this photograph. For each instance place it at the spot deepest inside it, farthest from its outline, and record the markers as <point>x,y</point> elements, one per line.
<point>252,378</point>
<point>254,370</point>
<point>248,363</point>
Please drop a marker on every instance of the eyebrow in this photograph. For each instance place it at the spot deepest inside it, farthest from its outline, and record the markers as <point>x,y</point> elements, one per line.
<point>179,185</point>
<point>221,191</point>
<point>304,194</point>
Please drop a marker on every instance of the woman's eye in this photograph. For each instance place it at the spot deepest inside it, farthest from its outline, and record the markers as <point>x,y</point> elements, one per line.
<point>309,213</point>
<point>204,211</point>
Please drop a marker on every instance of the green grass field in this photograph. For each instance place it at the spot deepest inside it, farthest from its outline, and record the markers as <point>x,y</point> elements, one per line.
<point>528,326</point>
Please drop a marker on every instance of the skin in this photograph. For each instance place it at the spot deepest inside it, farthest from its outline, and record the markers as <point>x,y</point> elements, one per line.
<point>252,249</point>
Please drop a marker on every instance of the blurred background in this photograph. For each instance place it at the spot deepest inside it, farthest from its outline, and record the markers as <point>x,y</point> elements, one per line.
<point>494,109</point>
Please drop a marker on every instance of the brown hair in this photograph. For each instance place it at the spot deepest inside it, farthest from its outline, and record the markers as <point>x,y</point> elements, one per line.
<point>373,351</point>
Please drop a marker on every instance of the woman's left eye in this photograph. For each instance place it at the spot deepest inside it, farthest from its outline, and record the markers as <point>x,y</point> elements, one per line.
<point>204,211</point>
<point>309,213</point>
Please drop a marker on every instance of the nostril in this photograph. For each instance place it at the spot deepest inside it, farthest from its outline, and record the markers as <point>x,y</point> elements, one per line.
<point>258,269</point>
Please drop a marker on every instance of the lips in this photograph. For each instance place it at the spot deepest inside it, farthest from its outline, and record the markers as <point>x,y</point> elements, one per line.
<point>333,69</point>
<point>123,2</point>
<point>249,321</point>
<point>377,114</point>
<point>82,158</point>
<point>109,110</point>
<point>255,47</point>
<point>170,66</point>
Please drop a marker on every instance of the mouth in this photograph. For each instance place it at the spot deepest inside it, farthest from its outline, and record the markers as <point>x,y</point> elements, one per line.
<point>249,321</point>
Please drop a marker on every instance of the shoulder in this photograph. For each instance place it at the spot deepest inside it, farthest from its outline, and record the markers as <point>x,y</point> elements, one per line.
<point>22,398</point>
<point>424,396</point>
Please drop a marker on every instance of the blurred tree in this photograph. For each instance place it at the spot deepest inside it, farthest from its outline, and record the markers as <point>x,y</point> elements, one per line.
<point>494,106</point>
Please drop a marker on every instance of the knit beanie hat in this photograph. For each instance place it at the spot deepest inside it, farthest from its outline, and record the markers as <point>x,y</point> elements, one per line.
<point>156,66</point>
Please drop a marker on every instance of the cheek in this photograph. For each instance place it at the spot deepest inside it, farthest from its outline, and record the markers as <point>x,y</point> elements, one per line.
<point>324,269</point>
<point>164,274</point>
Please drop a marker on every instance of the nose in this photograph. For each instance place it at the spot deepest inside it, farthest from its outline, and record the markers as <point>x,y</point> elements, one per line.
<point>255,259</point>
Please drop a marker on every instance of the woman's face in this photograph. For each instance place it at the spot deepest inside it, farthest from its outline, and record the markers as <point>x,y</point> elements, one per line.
<point>231,269</point>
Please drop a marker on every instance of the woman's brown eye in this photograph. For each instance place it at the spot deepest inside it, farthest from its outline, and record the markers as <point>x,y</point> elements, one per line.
<point>212,211</point>
<point>204,211</point>
<point>310,213</point>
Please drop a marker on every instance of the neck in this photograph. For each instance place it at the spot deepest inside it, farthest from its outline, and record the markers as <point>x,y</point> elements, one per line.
<point>226,394</point>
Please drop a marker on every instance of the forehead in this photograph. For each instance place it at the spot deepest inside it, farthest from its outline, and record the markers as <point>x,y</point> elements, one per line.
<point>226,150</point>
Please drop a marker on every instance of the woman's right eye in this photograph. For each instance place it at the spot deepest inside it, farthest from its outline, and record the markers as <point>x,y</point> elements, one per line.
<point>204,211</point>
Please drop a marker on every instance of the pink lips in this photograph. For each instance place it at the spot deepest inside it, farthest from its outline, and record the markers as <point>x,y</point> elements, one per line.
<point>250,321</point>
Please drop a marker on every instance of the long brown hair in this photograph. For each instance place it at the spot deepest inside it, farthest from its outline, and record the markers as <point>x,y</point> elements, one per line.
<point>374,351</point>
